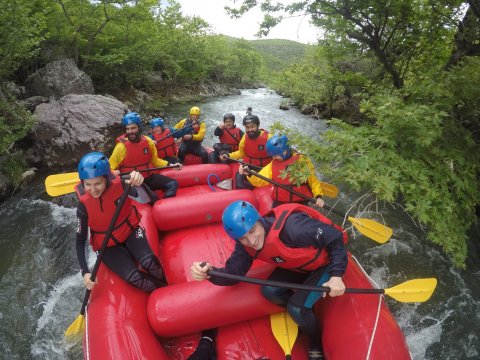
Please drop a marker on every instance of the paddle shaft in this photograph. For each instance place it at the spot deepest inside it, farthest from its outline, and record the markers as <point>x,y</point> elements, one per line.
<point>177,131</point>
<point>150,169</point>
<point>93,274</point>
<point>326,207</point>
<point>244,163</point>
<point>290,285</point>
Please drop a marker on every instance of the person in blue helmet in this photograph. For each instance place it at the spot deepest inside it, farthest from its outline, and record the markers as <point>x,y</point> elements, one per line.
<point>304,246</point>
<point>283,157</point>
<point>164,140</point>
<point>98,193</point>
<point>135,151</point>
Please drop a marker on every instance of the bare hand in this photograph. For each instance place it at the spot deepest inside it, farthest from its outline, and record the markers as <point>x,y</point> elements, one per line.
<point>198,272</point>
<point>178,166</point>
<point>336,285</point>
<point>136,179</point>
<point>221,125</point>
<point>187,137</point>
<point>116,172</point>
<point>224,157</point>
<point>242,170</point>
<point>89,284</point>
<point>320,202</point>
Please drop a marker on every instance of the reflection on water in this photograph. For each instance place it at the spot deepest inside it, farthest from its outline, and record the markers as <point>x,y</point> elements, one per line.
<point>41,289</point>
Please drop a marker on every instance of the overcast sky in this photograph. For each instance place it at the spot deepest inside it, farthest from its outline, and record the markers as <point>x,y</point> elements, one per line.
<point>212,11</point>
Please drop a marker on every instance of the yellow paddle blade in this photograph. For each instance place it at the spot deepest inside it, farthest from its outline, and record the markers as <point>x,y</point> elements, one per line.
<point>77,327</point>
<point>329,190</point>
<point>285,331</point>
<point>372,229</point>
<point>61,184</point>
<point>417,290</point>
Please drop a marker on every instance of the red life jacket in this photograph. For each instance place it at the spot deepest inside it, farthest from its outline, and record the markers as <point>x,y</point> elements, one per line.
<point>255,150</point>
<point>138,155</point>
<point>274,251</point>
<point>100,212</point>
<point>233,139</point>
<point>166,145</point>
<point>283,195</point>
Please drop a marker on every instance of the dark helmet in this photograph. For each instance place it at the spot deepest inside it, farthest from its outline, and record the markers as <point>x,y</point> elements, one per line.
<point>228,116</point>
<point>132,118</point>
<point>278,145</point>
<point>238,218</point>
<point>93,165</point>
<point>157,122</point>
<point>251,119</point>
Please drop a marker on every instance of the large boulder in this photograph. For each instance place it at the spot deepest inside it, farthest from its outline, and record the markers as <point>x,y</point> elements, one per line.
<point>72,126</point>
<point>58,79</point>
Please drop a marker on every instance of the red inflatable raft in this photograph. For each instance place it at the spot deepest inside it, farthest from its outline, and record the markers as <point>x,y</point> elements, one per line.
<point>125,323</point>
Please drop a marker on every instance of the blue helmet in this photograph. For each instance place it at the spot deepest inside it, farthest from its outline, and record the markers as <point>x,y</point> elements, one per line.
<point>238,218</point>
<point>157,122</point>
<point>276,145</point>
<point>132,118</point>
<point>93,165</point>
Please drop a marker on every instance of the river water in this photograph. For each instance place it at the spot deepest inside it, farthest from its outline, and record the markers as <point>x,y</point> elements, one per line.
<point>41,287</point>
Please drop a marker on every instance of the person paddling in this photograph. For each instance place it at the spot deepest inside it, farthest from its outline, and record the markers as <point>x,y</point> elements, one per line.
<point>135,151</point>
<point>304,246</point>
<point>164,141</point>
<point>283,157</point>
<point>229,135</point>
<point>251,149</point>
<point>98,193</point>
<point>192,140</point>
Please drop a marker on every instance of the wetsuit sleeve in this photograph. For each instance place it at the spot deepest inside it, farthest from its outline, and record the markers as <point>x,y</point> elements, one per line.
<point>118,154</point>
<point>313,182</point>
<point>201,132</point>
<point>156,161</point>
<point>301,230</point>
<point>240,153</point>
<point>179,124</point>
<point>238,264</point>
<point>218,131</point>
<point>266,172</point>
<point>82,234</point>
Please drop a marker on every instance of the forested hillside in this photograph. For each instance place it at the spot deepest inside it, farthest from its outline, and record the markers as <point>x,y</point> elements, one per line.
<point>279,54</point>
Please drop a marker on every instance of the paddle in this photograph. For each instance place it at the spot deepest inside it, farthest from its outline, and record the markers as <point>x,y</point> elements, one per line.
<point>78,323</point>
<point>285,331</point>
<point>61,184</point>
<point>329,190</point>
<point>370,228</point>
<point>177,131</point>
<point>417,290</point>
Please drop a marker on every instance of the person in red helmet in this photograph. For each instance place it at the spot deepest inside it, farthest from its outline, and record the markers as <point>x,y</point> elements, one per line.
<point>98,193</point>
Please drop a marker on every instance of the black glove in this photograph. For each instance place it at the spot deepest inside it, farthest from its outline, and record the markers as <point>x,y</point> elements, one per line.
<point>206,347</point>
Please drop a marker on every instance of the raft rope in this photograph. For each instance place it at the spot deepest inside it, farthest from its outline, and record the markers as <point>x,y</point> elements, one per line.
<point>210,184</point>
<point>380,298</point>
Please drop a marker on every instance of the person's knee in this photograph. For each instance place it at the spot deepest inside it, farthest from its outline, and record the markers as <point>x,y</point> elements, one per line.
<point>276,295</point>
<point>171,188</point>
<point>213,158</point>
<point>138,280</point>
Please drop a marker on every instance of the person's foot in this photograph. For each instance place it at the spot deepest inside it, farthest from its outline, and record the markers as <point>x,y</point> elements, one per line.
<point>315,353</point>
<point>206,347</point>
